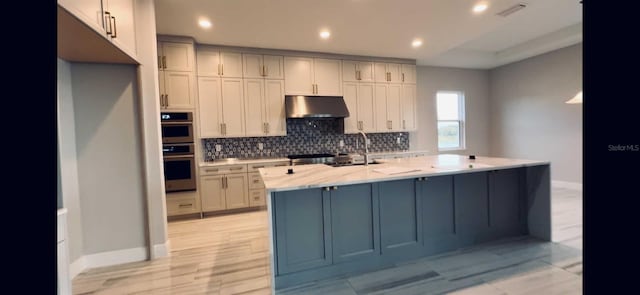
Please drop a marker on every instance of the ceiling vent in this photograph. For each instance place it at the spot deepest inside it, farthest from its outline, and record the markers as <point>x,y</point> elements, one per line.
<point>512,9</point>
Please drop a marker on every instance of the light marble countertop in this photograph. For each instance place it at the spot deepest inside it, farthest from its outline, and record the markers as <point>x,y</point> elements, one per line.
<point>241,161</point>
<point>320,175</point>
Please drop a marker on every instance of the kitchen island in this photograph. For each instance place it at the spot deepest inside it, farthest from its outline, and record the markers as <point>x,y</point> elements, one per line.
<point>329,221</point>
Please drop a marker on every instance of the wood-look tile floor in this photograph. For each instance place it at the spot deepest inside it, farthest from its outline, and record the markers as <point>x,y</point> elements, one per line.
<point>229,255</point>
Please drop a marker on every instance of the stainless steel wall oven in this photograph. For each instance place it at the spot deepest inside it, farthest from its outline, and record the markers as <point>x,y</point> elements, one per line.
<point>178,151</point>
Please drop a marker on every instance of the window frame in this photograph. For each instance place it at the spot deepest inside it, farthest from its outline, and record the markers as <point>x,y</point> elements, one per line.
<point>461,121</point>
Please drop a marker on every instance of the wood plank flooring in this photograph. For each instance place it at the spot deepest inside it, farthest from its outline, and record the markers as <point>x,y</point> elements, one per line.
<point>229,255</point>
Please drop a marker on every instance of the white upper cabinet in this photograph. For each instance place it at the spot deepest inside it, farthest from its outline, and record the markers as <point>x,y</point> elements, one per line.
<point>408,104</point>
<point>350,94</point>
<point>262,66</point>
<point>298,76</point>
<point>174,56</point>
<point>214,63</point>
<point>387,100</point>
<point>408,74</point>
<point>178,90</point>
<point>264,107</point>
<point>89,11</point>
<point>221,107</point>
<point>388,72</point>
<point>357,71</point>
<point>113,19</point>
<point>359,98</point>
<point>122,23</point>
<point>210,107</point>
<point>312,76</point>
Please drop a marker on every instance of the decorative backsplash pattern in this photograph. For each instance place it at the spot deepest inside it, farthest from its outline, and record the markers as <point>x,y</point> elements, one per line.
<point>304,136</point>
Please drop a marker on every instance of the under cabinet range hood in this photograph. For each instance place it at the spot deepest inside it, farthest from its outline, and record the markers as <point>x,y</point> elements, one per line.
<point>305,106</point>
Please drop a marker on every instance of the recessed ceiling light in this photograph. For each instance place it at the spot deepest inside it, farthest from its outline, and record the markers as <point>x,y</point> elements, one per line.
<point>480,7</point>
<point>204,23</point>
<point>416,43</point>
<point>325,34</point>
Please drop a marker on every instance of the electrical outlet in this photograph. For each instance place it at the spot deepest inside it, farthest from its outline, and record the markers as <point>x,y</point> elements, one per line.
<point>260,146</point>
<point>341,143</point>
<point>218,148</point>
<point>398,140</point>
<point>368,141</point>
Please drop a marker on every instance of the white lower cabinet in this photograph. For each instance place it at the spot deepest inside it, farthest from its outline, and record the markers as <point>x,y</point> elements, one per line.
<point>180,203</point>
<point>224,187</point>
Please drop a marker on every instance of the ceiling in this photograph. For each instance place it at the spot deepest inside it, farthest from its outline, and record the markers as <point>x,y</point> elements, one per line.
<point>452,34</point>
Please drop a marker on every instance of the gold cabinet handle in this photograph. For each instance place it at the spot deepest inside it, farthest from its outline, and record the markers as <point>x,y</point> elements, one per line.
<point>166,100</point>
<point>115,31</point>
<point>159,62</point>
<point>224,182</point>
<point>222,67</point>
<point>357,75</point>
<point>212,170</point>
<point>219,70</point>
<point>268,127</point>
<point>108,21</point>
<point>235,168</point>
<point>185,205</point>
<point>161,100</point>
<point>221,129</point>
<point>402,77</point>
<point>266,71</point>
<point>164,62</point>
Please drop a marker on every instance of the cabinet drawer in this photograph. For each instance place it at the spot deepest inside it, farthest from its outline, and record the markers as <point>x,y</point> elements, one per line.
<point>178,204</point>
<point>255,167</point>
<point>255,181</point>
<point>257,197</point>
<point>226,169</point>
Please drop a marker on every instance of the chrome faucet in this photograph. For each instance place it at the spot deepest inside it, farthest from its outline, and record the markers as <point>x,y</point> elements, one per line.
<point>366,149</point>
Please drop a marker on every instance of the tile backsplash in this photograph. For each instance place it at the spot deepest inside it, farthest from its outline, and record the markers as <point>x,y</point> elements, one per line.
<point>304,136</point>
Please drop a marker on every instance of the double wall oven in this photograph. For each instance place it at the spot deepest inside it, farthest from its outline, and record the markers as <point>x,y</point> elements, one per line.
<point>178,151</point>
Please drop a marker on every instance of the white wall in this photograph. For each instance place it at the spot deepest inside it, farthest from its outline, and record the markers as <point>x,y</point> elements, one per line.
<point>475,85</point>
<point>109,157</point>
<point>69,187</point>
<point>529,118</point>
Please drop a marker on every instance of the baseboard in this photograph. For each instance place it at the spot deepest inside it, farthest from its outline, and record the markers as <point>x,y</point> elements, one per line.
<point>566,184</point>
<point>161,250</point>
<point>77,267</point>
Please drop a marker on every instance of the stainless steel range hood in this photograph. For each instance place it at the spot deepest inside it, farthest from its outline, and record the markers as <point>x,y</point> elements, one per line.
<point>304,106</point>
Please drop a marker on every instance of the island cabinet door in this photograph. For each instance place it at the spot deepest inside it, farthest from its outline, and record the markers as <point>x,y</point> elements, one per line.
<point>303,230</point>
<point>400,219</point>
<point>438,219</point>
<point>354,220</point>
<point>471,207</point>
<point>505,197</point>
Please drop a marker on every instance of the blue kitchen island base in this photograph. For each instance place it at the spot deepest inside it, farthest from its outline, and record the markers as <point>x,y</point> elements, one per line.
<point>330,231</point>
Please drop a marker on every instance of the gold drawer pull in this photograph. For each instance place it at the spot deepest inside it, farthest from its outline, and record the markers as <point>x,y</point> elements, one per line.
<point>185,205</point>
<point>237,168</point>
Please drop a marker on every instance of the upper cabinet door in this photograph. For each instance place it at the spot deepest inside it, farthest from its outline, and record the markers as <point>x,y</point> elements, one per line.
<point>233,107</point>
<point>274,107</point>
<point>179,90</point>
<point>328,76</point>
<point>380,72</point>
<point>351,123</point>
<point>365,71</point>
<point>231,64</point>
<point>366,107</point>
<point>208,63</point>
<point>254,115</point>
<point>210,108</point>
<point>408,102</point>
<point>122,20</point>
<point>298,73</point>
<point>393,107</point>
<point>395,73</point>
<point>408,73</point>
<point>380,93</point>
<point>349,71</point>
<point>252,66</point>
<point>89,11</point>
<point>176,56</point>
<point>273,66</point>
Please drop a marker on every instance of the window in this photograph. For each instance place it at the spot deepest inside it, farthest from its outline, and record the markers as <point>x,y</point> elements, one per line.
<point>450,108</point>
